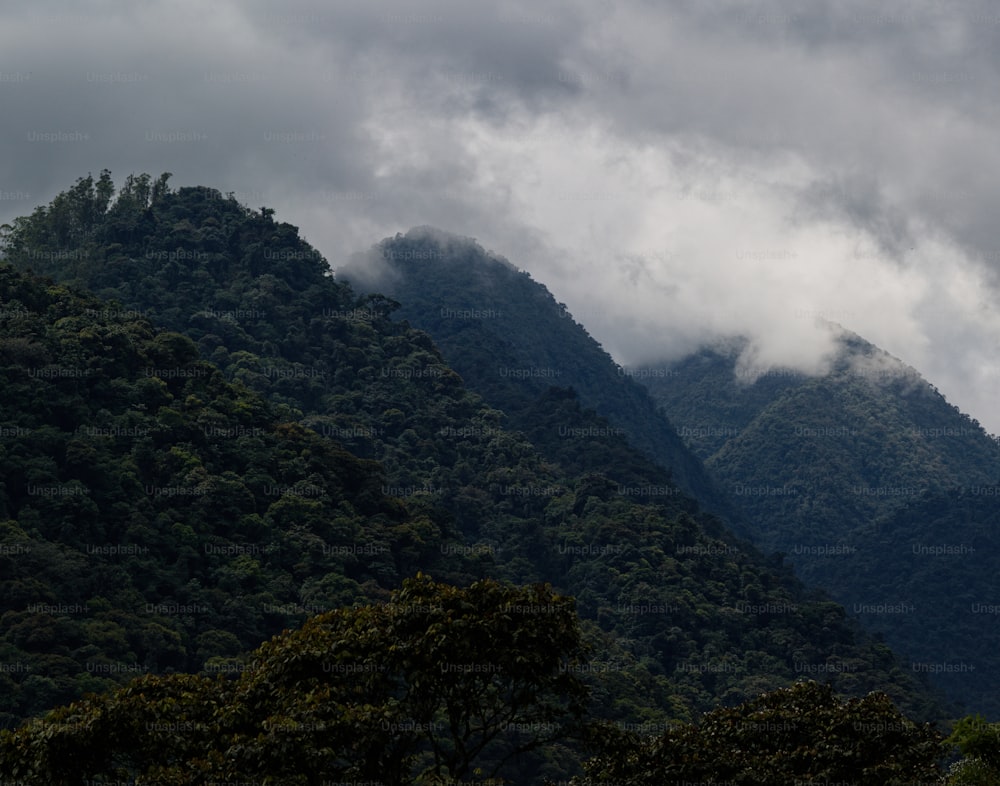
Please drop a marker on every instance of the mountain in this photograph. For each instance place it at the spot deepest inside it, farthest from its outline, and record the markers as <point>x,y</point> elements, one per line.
<point>155,517</point>
<point>510,341</point>
<point>680,615</point>
<point>940,553</point>
<point>806,461</point>
<point>823,467</point>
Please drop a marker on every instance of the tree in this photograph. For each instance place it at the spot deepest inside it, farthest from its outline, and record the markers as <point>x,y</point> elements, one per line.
<point>105,190</point>
<point>160,188</point>
<point>136,191</point>
<point>801,734</point>
<point>979,744</point>
<point>6,235</point>
<point>434,684</point>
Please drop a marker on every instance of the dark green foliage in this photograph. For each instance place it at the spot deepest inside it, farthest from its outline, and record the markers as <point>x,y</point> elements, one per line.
<point>429,687</point>
<point>510,341</point>
<point>681,615</point>
<point>440,685</point>
<point>261,304</point>
<point>846,447</point>
<point>870,460</point>
<point>802,734</point>
<point>939,555</point>
<point>979,744</point>
<point>153,515</point>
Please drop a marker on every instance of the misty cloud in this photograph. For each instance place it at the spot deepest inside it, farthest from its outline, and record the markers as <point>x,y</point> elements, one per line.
<point>673,173</point>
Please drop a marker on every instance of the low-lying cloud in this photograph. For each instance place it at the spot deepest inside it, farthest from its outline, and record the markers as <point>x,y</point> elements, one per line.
<point>674,173</point>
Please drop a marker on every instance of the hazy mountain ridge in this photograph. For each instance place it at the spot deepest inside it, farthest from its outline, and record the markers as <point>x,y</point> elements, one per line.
<point>808,460</point>
<point>714,398</point>
<point>510,340</point>
<point>846,446</point>
<point>821,465</point>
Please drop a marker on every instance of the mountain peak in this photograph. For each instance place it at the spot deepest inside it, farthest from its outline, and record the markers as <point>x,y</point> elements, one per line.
<point>510,339</point>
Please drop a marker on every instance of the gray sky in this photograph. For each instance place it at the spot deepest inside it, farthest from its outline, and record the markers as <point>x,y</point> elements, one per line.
<point>672,171</point>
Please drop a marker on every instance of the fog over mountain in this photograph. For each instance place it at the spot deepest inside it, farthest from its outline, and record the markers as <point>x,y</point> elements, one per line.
<point>672,173</point>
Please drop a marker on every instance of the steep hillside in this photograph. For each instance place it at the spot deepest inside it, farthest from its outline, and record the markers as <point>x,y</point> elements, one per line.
<point>681,616</point>
<point>154,517</point>
<point>938,557</point>
<point>809,459</point>
<point>510,340</point>
<point>823,466</point>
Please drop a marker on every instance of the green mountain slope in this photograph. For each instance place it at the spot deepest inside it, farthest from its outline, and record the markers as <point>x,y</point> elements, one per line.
<point>681,616</point>
<point>808,459</point>
<point>154,517</point>
<point>870,404</point>
<point>510,340</point>
<point>816,462</point>
<point>937,555</point>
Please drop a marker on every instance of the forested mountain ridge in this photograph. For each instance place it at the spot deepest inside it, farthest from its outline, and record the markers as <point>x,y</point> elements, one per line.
<point>683,615</point>
<point>867,449</point>
<point>806,461</point>
<point>868,403</point>
<point>156,517</point>
<point>510,340</point>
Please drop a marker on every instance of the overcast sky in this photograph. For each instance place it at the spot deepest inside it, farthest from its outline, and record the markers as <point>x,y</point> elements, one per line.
<point>671,171</point>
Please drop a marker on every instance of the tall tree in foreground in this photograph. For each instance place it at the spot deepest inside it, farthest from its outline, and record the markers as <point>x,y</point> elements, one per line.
<point>440,683</point>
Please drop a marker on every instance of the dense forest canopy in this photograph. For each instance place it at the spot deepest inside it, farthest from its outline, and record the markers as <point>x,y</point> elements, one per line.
<point>893,494</point>
<point>307,454</point>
